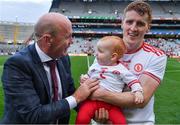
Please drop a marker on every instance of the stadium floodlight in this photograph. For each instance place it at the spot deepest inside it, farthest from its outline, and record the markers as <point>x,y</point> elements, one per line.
<point>89,11</point>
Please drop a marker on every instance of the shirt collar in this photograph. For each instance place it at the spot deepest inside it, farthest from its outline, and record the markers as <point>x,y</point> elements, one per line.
<point>44,57</point>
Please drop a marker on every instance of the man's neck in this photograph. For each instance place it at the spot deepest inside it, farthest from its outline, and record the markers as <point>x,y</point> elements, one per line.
<point>131,48</point>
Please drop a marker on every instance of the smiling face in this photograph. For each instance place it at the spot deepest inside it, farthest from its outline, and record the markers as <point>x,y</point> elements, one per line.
<point>135,24</point>
<point>134,28</point>
<point>61,41</point>
<point>54,32</point>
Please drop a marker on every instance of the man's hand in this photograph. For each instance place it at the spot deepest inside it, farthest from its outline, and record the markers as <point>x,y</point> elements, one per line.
<point>83,78</point>
<point>86,89</point>
<point>102,116</point>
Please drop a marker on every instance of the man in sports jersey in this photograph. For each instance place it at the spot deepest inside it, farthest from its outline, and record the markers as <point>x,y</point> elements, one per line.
<point>145,61</point>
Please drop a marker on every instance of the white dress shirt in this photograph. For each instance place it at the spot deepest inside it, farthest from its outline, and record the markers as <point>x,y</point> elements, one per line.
<point>44,58</point>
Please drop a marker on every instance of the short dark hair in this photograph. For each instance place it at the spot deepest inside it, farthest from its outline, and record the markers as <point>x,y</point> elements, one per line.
<point>141,8</point>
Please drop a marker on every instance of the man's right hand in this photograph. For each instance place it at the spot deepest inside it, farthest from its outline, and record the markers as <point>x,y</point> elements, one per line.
<point>85,89</point>
<point>102,116</point>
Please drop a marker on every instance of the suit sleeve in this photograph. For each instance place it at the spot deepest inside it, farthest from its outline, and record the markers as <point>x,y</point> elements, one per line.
<point>18,82</point>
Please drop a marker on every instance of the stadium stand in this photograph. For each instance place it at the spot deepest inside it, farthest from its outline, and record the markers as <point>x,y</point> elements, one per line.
<point>95,18</point>
<point>88,44</point>
<point>13,35</point>
<point>92,19</point>
<point>114,8</point>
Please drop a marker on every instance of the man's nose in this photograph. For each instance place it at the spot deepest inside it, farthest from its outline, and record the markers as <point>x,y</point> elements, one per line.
<point>71,40</point>
<point>134,27</point>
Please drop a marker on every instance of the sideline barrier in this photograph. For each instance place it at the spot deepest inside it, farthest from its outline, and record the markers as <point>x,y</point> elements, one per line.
<point>72,54</point>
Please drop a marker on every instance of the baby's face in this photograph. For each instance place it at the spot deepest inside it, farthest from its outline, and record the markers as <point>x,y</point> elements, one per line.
<point>104,53</point>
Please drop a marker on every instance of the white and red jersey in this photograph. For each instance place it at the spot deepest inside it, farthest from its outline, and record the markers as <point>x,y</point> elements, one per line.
<point>113,78</point>
<point>150,61</point>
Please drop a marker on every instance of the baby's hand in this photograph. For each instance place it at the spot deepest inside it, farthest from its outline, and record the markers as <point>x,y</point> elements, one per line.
<point>83,78</point>
<point>139,98</point>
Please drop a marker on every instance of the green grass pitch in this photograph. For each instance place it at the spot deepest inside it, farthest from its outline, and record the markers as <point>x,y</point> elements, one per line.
<point>167,99</point>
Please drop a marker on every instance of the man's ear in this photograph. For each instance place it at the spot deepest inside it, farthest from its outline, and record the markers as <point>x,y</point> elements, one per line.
<point>49,39</point>
<point>122,25</point>
<point>122,22</point>
<point>148,28</point>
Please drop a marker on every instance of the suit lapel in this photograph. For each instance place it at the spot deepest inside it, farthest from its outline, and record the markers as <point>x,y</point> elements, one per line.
<point>40,69</point>
<point>43,77</point>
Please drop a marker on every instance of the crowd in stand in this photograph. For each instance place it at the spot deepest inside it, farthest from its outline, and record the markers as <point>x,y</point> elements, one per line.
<point>170,46</point>
<point>83,45</point>
<point>87,45</point>
<point>10,49</point>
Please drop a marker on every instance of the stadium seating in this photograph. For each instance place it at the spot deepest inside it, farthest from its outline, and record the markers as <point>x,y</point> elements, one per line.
<point>96,18</point>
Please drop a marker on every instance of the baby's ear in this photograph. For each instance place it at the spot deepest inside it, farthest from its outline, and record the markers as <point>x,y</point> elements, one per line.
<point>114,57</point>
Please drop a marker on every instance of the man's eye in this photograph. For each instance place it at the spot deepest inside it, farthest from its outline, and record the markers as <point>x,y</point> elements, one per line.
<point>100,51</point>
<point>140,24</point>
<point>129,21</point>
<point>67,37</point>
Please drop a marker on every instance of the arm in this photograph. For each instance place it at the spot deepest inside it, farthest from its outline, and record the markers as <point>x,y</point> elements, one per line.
<point>126,99</point>
<point>133,83</point>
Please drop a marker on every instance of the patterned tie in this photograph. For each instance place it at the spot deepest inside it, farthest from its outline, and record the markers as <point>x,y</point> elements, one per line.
<point>52,65</point>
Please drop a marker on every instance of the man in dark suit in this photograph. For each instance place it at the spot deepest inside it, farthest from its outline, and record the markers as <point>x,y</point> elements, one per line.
<point>28,82</point>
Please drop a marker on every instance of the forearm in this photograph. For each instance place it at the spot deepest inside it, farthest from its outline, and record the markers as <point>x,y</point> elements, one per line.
<point>125,99</point>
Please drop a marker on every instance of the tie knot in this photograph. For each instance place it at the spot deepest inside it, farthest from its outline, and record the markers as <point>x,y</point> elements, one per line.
<point>51,63</point>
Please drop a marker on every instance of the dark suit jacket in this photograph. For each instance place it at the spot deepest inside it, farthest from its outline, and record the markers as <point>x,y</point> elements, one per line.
<point>27,93</point>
